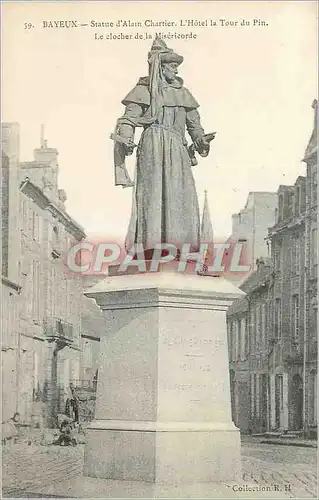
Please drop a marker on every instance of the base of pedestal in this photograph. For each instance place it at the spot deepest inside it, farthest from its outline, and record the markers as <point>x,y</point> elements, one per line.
<point>171,453</point>
<point>163,412</point>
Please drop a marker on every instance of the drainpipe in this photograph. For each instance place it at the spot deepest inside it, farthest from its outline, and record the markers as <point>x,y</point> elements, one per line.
<point>18,375</point>
<point>305,322</point>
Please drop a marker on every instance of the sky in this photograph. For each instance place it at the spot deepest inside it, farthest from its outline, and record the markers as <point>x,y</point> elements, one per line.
<point>255,86</point>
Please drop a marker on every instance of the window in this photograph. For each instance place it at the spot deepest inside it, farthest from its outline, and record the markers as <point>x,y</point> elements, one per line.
<point>35,376</point>
<point>229,338</point>
<point>314,243</point>
<point>278,253</point>
<point>67,296</point>
<point>233,340</point>
<point>230,329</point>
<point>36,227</point>
<point>24,214</point>
<point>279,391</point>
<point>296,255</point>
<point>314,185</point>
<point>56,243</point>
<point>297,200</point>
<point>55,236</point>
<point>252,331</point>
<point>313,383</point>
<point>290,204</point>
<point>281,207</point>
<point>252,396</point>
<point>246,325</point>
<point>255,396</point>
<point>278,318</point>
<point>243,339</point>
<point>36,290</point>
<point>238,339</point>
<point>54,292</point>
<point>257,327</point>
<point>295,317</point>
<point>263,325</point>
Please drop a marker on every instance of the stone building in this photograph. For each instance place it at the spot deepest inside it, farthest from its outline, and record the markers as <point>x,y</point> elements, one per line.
<point>282,314</point>
<point>238,346</point>
<point>10,288</point>
<point>287,334</point>
<point>50,313</point>
<point>311,272</point>
<point>93,327</point>
<point>247,321</point>
<point>43,305</point>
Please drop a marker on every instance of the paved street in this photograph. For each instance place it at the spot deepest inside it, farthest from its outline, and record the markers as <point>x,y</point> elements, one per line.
<point>53,471</point>
<point>283,465</point>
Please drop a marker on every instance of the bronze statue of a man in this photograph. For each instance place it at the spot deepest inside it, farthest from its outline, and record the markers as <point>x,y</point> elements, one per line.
<point>165,205</point>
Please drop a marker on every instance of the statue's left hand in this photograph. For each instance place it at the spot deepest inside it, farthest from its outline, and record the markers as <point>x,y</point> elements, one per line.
<point>202,146</point>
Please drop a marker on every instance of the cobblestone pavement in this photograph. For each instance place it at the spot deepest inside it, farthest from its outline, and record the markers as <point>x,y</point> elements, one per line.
<point>41,470</point>
<point>292,468</point>
<point>27,468</point>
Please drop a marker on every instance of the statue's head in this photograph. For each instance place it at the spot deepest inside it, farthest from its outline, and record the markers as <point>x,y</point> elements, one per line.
<point>170,70</point>
<point>169,60</point>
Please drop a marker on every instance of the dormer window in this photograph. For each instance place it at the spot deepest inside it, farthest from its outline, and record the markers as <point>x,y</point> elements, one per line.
<point>56,247</point>
<point>290,198</point>
<point>280,207</point>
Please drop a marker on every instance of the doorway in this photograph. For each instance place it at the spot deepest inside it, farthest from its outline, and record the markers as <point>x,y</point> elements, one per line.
<point>297,403</point>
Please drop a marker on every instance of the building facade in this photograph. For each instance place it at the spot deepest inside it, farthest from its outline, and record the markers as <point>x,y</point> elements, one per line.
<point>251,224</point>
<point>238,345</point>
<point>311,272</point>
<point>10,288</point>
<point>43,306</point>
<point>281,315</point>
<point>93,327</point>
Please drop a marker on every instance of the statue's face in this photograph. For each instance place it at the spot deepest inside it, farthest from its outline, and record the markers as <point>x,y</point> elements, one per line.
<point>170,71</point>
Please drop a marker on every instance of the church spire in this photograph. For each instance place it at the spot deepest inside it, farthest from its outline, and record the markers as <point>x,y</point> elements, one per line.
<point>207,236</point>
<point>206,226</point>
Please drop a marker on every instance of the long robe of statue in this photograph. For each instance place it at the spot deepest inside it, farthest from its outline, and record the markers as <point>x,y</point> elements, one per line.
<point>165,205</point>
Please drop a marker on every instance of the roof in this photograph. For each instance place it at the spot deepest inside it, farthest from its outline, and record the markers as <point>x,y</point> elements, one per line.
<point>312,146</point>
<point>35,193</point>
<point>256,279</point>
<point>238,306</point>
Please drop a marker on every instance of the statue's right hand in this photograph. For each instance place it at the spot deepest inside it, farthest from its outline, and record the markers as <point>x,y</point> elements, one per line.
<point>129,150</point>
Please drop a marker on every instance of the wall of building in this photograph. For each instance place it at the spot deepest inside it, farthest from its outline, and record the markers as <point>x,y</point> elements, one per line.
<point>251,224</point>
<point>9,347</point>
<point>281,315</point>
<point>9,268</point>
<point>42,308</point>
<point>238,347</point>
<point>10,147</point>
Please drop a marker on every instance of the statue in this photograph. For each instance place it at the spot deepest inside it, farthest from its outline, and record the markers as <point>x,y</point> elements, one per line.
<point>165,205</point>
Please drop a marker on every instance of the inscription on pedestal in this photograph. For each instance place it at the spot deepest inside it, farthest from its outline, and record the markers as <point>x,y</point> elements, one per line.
<point>191,377</point>
<point>193,341</point>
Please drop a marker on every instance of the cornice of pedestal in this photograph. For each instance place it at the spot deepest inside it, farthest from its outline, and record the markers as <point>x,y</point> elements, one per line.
<point>164,290</point>
<point>146,426</point>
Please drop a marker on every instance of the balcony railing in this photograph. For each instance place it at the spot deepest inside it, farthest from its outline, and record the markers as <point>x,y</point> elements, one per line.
<point>84,384</point>
<point>59,329</point>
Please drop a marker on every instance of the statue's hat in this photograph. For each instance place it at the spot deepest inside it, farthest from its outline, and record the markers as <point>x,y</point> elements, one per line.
<point>166,55</point>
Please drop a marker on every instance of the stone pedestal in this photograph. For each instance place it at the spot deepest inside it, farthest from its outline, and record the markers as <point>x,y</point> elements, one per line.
<point>163,412</point>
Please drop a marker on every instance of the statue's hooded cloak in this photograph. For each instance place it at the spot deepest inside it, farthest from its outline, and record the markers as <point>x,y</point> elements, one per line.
<point>165,206</point>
